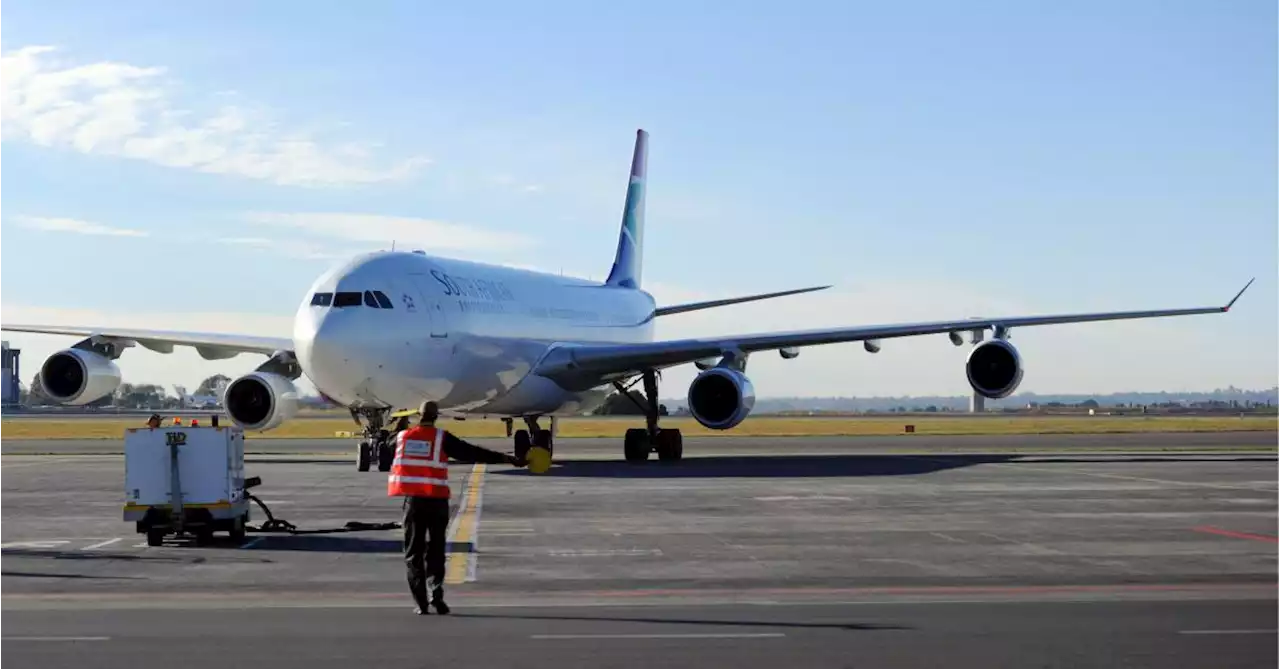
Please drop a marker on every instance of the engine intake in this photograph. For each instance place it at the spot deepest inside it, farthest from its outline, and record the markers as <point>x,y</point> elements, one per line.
<point>260,400</point>
<point>720,398</point>
<point>994,369</point>
<point>78,377</point>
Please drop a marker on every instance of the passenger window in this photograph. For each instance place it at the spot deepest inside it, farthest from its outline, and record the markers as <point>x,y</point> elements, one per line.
<point>346,300</point>
<point>383,300</point>
<point>321,299</point>
<point>369,301</point>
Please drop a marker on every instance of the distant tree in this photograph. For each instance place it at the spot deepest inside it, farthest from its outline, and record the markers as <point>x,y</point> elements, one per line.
<point>210,385</point>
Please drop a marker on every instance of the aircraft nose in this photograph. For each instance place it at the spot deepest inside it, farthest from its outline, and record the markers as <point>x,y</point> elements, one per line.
<point>322,339</point>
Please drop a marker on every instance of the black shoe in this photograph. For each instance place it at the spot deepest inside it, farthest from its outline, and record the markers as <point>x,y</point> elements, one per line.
<point>437,600</point>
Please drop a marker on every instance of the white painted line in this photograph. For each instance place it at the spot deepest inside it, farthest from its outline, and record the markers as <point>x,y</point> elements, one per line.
<point>743,635</point>
<point>100,544</point>
<point>34,544</point>
<point>1228,632</point>
<point>57,638</point>
<point>253,543</point>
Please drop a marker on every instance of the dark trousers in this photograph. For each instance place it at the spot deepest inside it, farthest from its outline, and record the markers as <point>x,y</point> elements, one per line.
<point>425,522</point>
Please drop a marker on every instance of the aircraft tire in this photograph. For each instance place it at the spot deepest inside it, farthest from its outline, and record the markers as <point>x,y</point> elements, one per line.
<point>635,445</point>
<point>542,439</point>
<point>385,456</point>
<point>362,457</point>
<point>670,445</point>
<point>522,443</point>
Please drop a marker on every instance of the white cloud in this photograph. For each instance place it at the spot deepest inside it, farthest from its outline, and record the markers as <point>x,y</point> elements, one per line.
<point>71,225</point>
<point>292,248</point>
<point>404,231</point>
<point>119,109</point>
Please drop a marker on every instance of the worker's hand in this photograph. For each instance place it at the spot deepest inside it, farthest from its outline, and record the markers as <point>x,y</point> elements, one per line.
<point>517,461</point>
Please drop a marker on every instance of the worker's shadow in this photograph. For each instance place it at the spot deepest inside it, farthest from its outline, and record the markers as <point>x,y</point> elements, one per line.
<point>783,624</point>
<point>767,466</point>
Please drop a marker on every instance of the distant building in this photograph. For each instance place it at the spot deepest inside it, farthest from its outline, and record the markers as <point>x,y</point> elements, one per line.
<point>9,374</point>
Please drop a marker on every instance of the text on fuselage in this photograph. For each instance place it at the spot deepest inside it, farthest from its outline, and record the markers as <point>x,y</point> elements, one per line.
<point>473,288</point>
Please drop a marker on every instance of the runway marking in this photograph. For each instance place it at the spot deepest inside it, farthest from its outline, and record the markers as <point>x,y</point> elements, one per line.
<point>1144,479</point>
<point>1228,631</point>
<point>461,567</point>
<point>34,544</point>
<point>100,544</point>
<point>727,635</point>
<point>1236,535</point>
<point>57,638</point>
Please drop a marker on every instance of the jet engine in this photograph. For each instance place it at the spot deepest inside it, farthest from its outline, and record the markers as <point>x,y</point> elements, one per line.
<point>720,398</point>
<point>77,377</point>
<point>260,400</point>
<point>994,369</point>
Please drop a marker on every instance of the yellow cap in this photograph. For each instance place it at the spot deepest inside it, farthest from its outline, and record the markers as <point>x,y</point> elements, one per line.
<point>539,460</point>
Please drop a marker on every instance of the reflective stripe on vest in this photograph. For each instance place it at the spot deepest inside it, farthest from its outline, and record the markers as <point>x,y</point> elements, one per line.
<point>420,468</point>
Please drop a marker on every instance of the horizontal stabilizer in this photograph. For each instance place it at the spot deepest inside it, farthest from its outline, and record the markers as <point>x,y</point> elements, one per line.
<point>710,304</point>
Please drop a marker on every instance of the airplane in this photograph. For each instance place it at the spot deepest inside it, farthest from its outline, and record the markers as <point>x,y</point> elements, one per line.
<point>211,401</point>
<point>385,330</point>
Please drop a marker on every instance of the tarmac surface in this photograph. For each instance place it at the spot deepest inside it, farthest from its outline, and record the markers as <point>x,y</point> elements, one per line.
<point>751,552</point>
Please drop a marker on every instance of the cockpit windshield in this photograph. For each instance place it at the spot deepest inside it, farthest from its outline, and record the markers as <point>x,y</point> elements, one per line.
<point>374,299</point>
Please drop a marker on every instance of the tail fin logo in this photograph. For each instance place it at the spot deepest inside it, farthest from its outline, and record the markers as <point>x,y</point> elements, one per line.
<point>627,263</point>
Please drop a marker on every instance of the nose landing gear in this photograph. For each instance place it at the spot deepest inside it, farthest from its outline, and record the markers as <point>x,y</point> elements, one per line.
<point>375,445</point>
<point>534,436</point>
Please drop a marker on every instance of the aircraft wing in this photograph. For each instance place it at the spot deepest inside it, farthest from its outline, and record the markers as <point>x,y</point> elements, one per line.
<point>211,346</point>
<point>696,306</point>
<point>581,366</point>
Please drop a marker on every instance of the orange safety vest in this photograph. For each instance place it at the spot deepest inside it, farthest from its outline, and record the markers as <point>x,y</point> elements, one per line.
<point>420,468</point>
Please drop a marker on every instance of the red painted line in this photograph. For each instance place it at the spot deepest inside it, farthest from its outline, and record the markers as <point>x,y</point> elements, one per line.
<point>1238,535</point>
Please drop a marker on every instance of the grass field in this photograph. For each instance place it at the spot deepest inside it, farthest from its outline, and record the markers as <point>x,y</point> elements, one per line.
<point>319,428</point>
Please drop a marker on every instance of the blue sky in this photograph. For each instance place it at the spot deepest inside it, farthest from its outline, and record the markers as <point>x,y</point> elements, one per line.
<point>929,159</point>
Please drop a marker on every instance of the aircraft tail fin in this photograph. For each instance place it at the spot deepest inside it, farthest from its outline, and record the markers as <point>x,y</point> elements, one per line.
<point>627,262</point>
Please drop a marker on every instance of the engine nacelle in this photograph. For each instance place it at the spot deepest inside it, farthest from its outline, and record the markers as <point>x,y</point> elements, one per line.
<point>994,369</point>
<point>77,377</point>
<point>260,400</point>
<point>720,398</point>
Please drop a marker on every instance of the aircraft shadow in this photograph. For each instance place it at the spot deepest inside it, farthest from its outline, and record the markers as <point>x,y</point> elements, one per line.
<point>768,466</point>
<point>858,627</point>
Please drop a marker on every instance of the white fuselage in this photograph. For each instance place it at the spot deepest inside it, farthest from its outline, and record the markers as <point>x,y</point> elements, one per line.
<point>461,333</point>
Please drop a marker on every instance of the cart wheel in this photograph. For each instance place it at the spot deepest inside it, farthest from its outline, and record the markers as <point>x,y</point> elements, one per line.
<point>237,529</point>
<point>204,536</point>
<point>155,537</point>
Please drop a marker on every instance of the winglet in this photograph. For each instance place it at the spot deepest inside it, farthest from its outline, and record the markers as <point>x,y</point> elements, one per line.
<point>1233,300</point>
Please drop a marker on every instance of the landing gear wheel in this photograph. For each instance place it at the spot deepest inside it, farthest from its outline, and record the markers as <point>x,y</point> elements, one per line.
<point>635,445</point>
<point>385,456</point>
<point>362,460</point>
<point>542,439</point>
<point>670,445</point>
<point>155,537</point>
<point>237,529</point>
<point>523,443</point>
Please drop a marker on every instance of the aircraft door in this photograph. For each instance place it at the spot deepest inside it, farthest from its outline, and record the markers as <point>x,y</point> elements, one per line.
<point>432,304</point>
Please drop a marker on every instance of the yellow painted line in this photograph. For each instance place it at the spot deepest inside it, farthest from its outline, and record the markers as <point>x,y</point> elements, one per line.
<point>460,566</point>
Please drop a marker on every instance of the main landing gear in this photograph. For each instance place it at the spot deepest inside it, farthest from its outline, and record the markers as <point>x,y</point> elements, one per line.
<point>534,436</point>
<point>639,442</point>
<point>375,445</point>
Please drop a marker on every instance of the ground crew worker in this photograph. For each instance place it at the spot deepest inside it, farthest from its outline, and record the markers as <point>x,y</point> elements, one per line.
<point>154,421</point>
<point>420,474</point>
